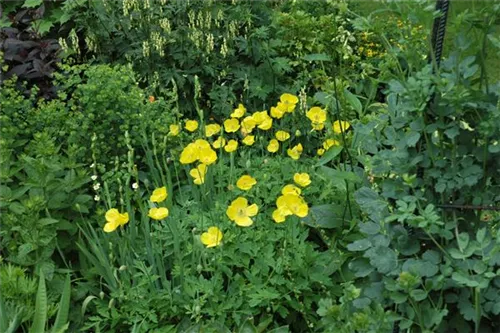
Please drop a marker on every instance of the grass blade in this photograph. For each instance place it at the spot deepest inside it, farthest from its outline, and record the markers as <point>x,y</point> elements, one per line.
<point>40,307</point>
<point>62,313</point>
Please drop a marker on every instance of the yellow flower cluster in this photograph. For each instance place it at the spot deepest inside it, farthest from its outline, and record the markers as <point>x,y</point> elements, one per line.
<point>291,202</point>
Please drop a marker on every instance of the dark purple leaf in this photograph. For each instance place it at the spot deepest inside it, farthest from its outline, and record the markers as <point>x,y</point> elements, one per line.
<point>19,70</point>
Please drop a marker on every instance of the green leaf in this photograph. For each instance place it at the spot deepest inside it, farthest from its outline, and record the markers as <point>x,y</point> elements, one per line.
<point>17,208</point>
<point>359,245</point>
<point>329,155</point>
<point>32,3</point>
<point>463,241</point>
<point>339,177</point>
<point>481,235</point>
<point>4,322</point>
<point>325,216</point>
<point>46,221</point>
<point>247,327</point>
<point>317,57</point>
<point>44,26</point>
<point>361,267</point>
<point>40,316</point>
<point>463,279</point>
<point>64,304</point>
<point>418,295</point>
<point>398,297</point>
<point>412,138</point>
<point>383,259</point>
<point>353,101</point>
<point>281,329</point>
<point>371,203</point>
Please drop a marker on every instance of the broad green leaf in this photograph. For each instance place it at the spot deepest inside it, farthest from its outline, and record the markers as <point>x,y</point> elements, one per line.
<point>463,241</point>
<point>359,245</point>
<point>361,267</point>
<point>371,203</point>
<point>353,101</point>
<point>481,235</point>
<point>247,327</point>
<point>464,279</point>
<point>329,155</point>
<point>383,259</point>
<point>281,329</point>
<point>326,216</point>
<point>398,297</point>
<point>418,295</point>
<point>339,177</point>
<point>40,316</point>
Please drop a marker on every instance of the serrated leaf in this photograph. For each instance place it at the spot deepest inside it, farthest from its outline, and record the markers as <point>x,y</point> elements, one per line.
<point>44,26</point>
<point>32,3</point>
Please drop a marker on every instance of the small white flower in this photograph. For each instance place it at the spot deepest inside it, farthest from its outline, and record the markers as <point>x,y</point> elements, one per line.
<point>92,165</point>
<point>135,186</point>
<point>97,198</point>
<point>94,177</point>
<point>97,186</point>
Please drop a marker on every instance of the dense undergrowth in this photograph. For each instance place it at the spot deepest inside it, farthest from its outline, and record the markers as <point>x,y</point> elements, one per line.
<point>241,166</point>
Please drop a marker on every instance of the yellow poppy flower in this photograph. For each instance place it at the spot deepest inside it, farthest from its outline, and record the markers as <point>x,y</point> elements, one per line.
<point>239,112</point>
<point>207,156</point>
<point>249,140</point>
<point>212,237</point>
<point>231,125</point>
<point>291,189</point>
<point>330,143</point>
<point>316,115</point>
<point>159,213</point>
<point>273,146</point>
<point>259,117</point>
<point>246,182</point>
<point>114,219</point>
<point>295,152</point>
<point>293,204</point>
<point>212,129</point>
<point>199,174</point>
<point>189,154</point>
<point>302,179</point>
<point>340,126</point>
<point>320,151</point>
<point>240,212</point>
<point>174,130</point>
<point>279,215</point>
<point>219,143</point>
<point>248,124</point>
<point>231,146</point>
<point>159,194</point>
<point>282,136</point>
<point>288,102</point>
<point>191,125</point>
<point>266,124</point>
<point>277,112</point>
<point>318,126</point>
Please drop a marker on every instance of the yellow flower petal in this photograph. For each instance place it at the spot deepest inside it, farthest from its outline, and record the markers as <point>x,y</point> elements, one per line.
<point>212,237</point>
<point>191,125</point>
<point>340,126</point>
<point>302,179</point>
<point>246,182</point>
<point>159,194</point>
<point>174,130</point>
<point>273,146</point>
<point>282,136</point>
<point>158,213</point>
<point>231,146</point>
<point>249,140</point>
<point>212,129</point>
<point>231,125</point>
<point>239,112</point>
